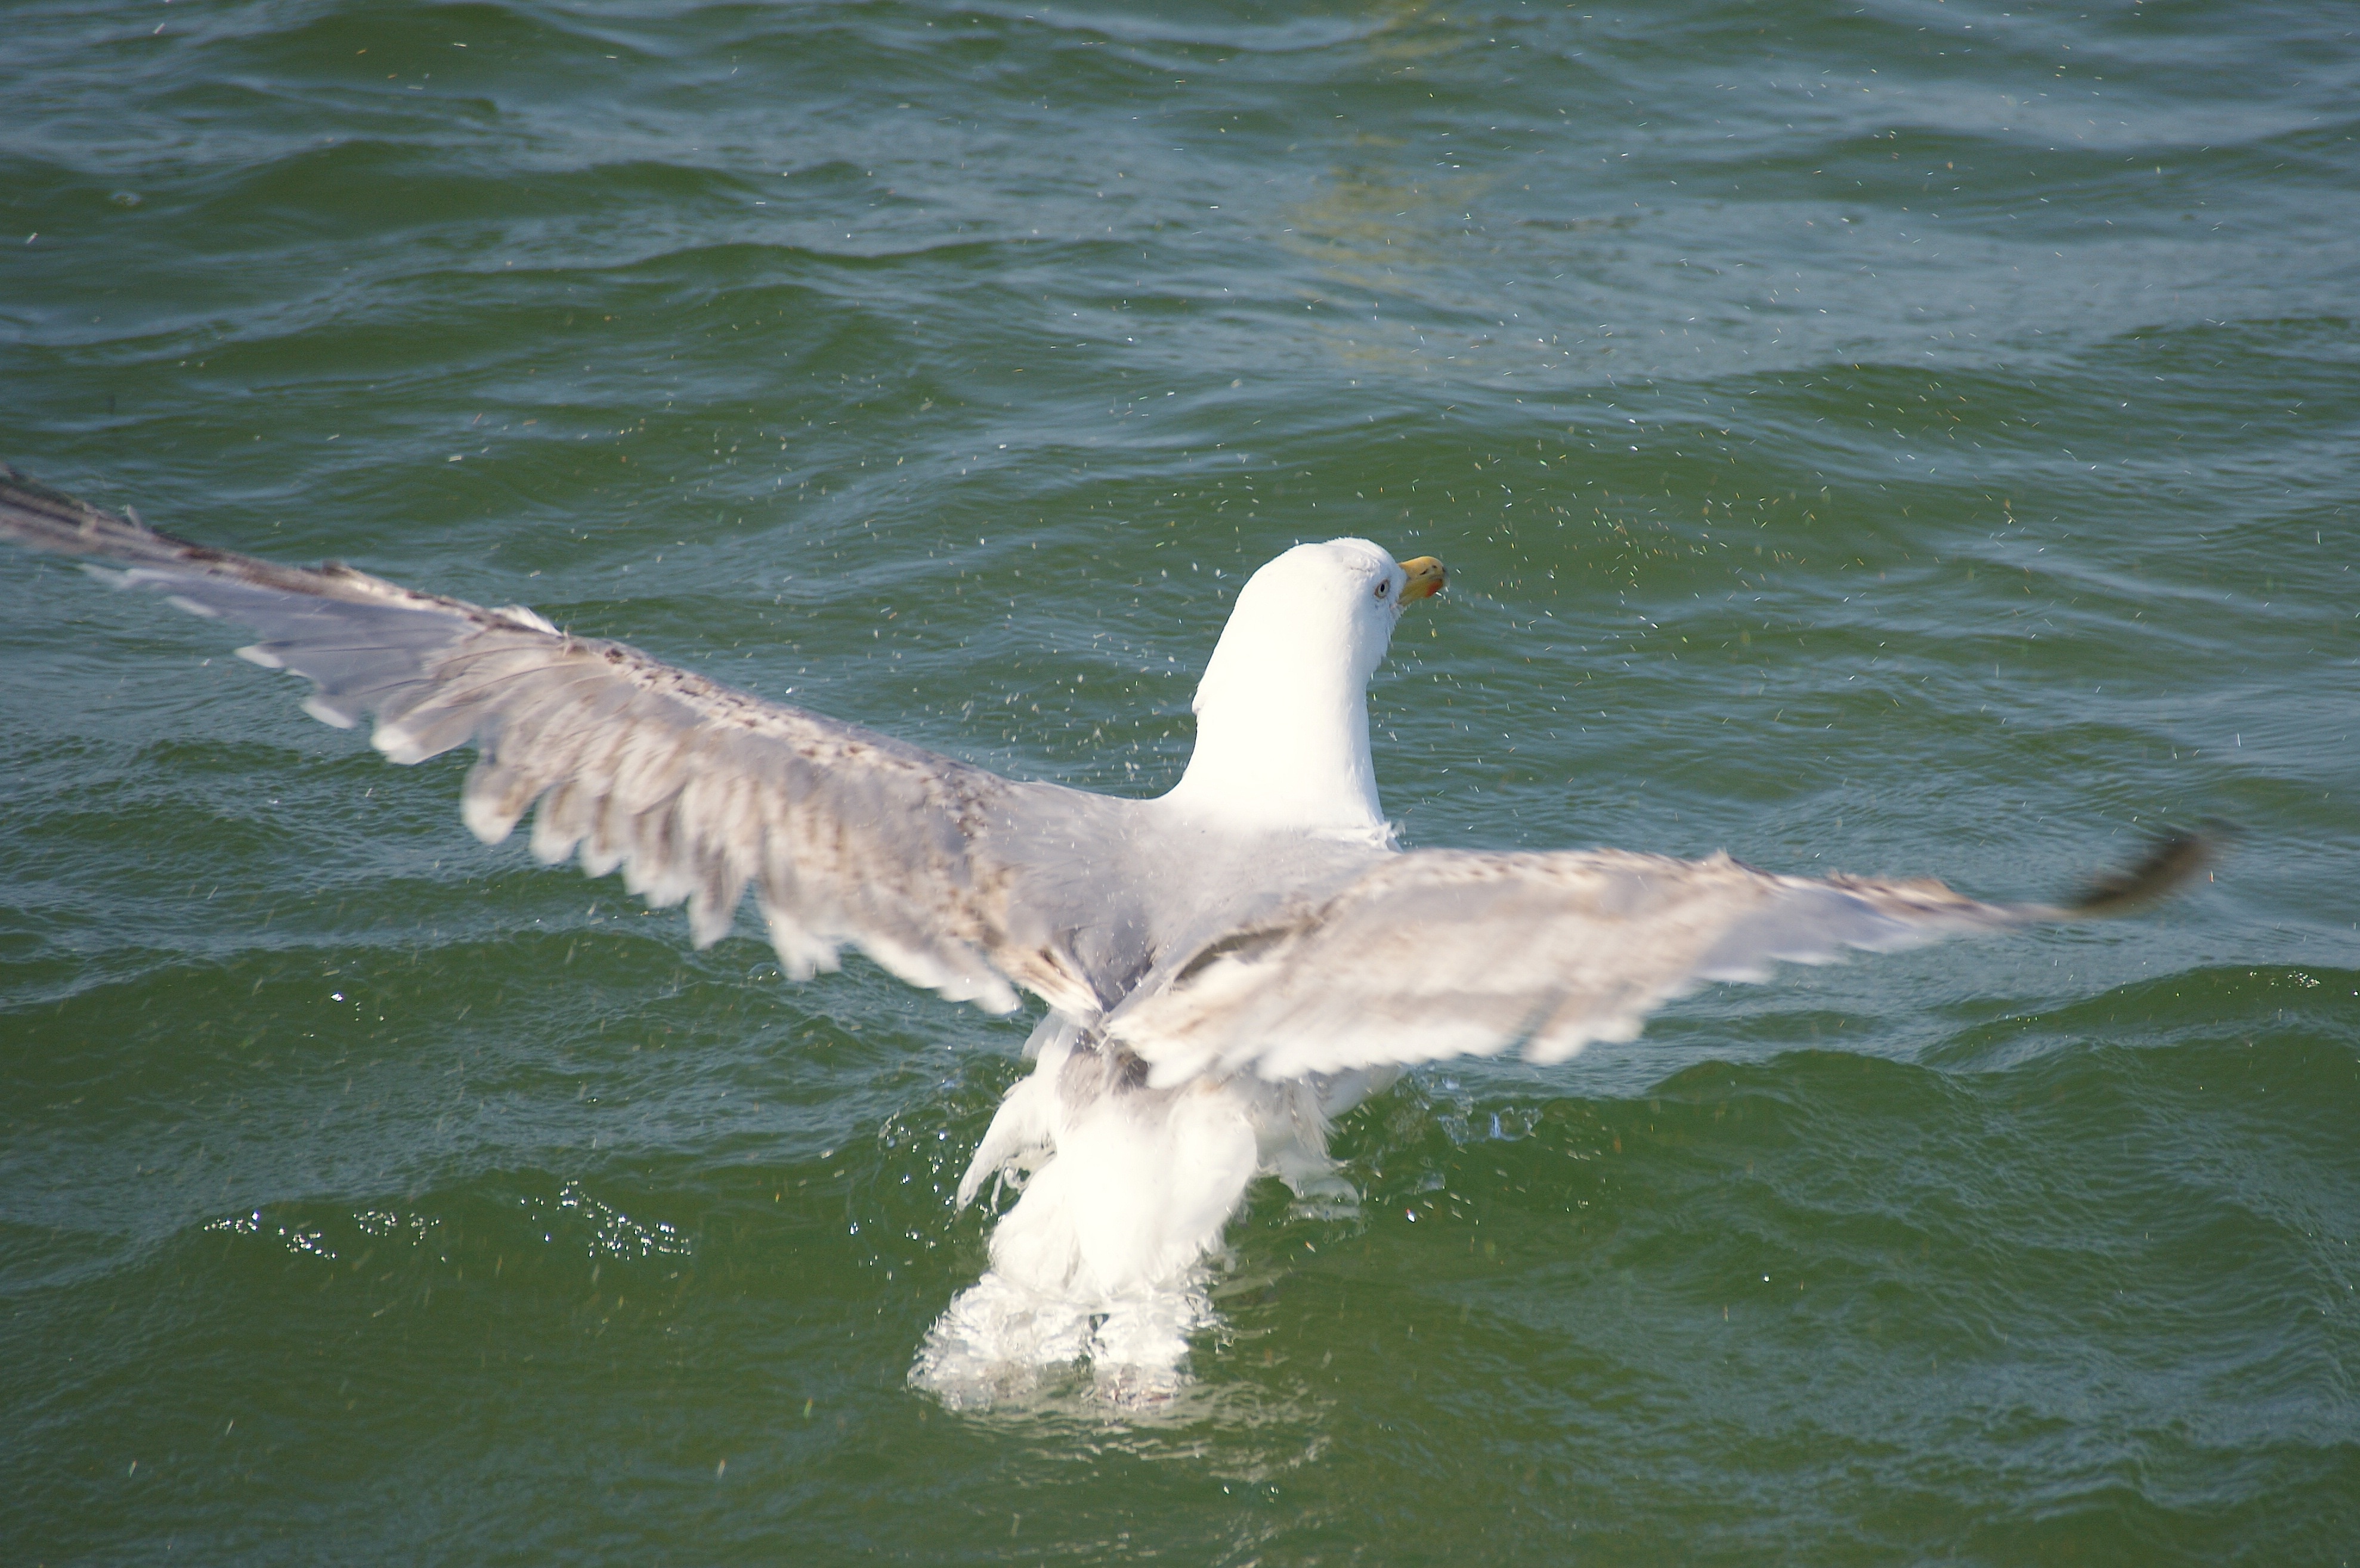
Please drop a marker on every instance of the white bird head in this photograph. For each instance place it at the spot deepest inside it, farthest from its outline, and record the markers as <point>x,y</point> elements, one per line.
<point>1282,712</point>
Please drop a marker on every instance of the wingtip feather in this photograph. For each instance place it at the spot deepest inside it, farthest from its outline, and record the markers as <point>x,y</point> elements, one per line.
<point>2170,862</point>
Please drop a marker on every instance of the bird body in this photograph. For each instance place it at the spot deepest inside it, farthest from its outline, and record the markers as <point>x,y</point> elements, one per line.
<point>1128,1185</point>
<point>1227,967</point>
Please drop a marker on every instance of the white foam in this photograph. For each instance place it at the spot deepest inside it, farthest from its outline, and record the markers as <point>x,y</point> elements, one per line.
<point>999,1341</point>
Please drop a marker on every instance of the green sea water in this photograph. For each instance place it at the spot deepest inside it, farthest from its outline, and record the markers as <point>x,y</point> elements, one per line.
<point>1898,437</point>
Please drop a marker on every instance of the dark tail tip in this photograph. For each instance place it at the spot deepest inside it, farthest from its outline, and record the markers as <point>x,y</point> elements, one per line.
<point>2169,860</point>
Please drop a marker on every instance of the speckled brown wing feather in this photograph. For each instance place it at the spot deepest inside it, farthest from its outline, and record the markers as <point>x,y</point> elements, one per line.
<point>1443,953</point>
<point>950,876</point>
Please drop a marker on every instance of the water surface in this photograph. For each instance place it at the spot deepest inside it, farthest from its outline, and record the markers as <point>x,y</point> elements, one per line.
<point>1905,437</point>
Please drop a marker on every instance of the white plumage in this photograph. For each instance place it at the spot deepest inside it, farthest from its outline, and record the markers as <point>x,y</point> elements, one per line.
<point>1228,968</point>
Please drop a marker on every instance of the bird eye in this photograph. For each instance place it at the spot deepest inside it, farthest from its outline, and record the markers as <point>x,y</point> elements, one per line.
<point>1382,588</point>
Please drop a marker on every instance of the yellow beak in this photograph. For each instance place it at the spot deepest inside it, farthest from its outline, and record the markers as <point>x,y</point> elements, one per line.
<point>1426,576</point>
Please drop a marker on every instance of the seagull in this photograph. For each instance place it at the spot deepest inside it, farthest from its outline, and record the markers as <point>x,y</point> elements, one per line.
<point>1227,967</point>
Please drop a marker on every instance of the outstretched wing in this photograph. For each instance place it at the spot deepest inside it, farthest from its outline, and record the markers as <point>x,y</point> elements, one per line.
<point>1442,953</point>
<point>948,875</point>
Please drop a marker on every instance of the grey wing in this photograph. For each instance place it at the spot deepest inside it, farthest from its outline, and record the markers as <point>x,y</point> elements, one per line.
<point>950,876</point>
<point>1444,953</point>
